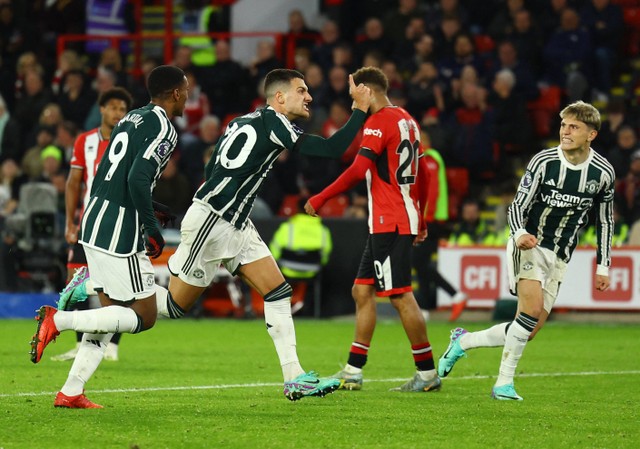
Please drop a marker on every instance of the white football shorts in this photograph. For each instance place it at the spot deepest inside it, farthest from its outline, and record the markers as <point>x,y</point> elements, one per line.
<point>208,241</point>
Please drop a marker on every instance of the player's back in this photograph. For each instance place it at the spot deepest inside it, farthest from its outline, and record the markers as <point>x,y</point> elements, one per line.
<point>393,135</point>
<point>241,160</point>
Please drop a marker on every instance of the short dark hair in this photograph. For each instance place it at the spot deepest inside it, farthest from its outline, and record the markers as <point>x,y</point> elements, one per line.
<point>279,76</point>
<point>115,93</point>
<point>163,79</point>
<point>373,77</point>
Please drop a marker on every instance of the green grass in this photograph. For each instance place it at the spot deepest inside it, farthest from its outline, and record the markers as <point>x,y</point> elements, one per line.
<point>217,384</point>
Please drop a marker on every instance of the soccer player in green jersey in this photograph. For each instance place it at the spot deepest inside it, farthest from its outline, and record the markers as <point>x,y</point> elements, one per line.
<point>119,234</point>
<point>558,189</point>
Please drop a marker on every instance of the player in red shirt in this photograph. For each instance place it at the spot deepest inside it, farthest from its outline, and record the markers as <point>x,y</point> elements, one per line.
<point>390,160</point>
<point>87,152</point>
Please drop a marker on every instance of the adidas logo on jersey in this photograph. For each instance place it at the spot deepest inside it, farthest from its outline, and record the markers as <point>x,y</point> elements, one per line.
<point>550,182</point>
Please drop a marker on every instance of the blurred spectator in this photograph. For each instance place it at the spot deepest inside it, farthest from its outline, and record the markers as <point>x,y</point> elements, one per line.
<point>550,18</point>
<point>13,33</point>
<point>31,162</point>
<point>108,18</point>
<point>605,23</point>
<point>396,82</point>
<point>373,39</point>
<point>105,80</point>
<point>620,154</point>
<point>339,113</point>
<point>470,229</point>
<point>567,56</point>
<point>343,57</point>
<point>191,161</point>
<point>67,61</point>
<point>138,86</point>
<point>63,16</point>
<point>527,39</point>
<point>319,106</point>
<point>182,58</point>
<point>628,190</point>
<point>445,36</point>
<point>322,53</point>
<point>450,68</point>
<point>283,179</point>
<point>27,62</point>
<point>111,59</point>
<point>509,58</point>
<point>196,107</point>
<point>29,107</point>
<point>67,132</point>
<point>512,131</point>
<point>616,116</point>
<point>395,22</point>
<point>9,134</point>
<point>502,23</point>
<point>173,189</point>
<point>76,98</point>
<point>425,91</point>
<point>198,17</point>
<point>438,10</point>
<point>227,83</point>
<point>620,230</point>
<point>338,85</point>
<point>11,179</point>
<point>305,37</point>
<point>302,59</point>
<point>264,61</point>
<point>373,59</point>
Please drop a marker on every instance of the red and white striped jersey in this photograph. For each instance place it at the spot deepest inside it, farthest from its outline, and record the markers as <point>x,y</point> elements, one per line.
<point>87,152</point>
<point>393,139</point>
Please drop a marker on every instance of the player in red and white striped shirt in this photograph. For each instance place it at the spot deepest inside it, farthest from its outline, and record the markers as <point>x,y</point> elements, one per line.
<point>390,161</point>
<point>87,152</point>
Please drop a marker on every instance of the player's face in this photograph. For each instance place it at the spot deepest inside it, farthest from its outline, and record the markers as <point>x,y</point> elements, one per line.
<point>113,111</point>
<point>575,135</point>
<point>181,95</point>
<point>297,99</point>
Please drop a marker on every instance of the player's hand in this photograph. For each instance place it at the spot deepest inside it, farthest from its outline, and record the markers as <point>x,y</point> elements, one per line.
<point>163,214</point>
<point>153,242</point>
<point>309,209</point>
<point>527,241</point>
<point>361,95</point>
<point>602,282</point>
<point>71,233</point>
<point>421,237</point>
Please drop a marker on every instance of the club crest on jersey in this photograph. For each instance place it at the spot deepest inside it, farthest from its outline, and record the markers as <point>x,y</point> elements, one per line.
<point>592,187</point>
<point>372,132</point>
<point>163,149</point>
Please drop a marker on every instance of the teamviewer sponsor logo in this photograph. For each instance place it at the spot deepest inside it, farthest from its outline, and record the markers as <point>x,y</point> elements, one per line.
<point>620,278</point>
<point>373,132</point>
<point>480,276</point>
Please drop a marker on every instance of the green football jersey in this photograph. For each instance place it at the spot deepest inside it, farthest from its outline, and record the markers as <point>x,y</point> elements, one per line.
<point>140,147</point>
<point>554,199</point>
<point>241,160</point>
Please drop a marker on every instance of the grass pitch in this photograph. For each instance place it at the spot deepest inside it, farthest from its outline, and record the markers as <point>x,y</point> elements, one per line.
<point>217,384</point>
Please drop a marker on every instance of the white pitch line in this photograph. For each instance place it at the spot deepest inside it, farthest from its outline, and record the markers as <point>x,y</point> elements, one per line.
<point>273,384</point>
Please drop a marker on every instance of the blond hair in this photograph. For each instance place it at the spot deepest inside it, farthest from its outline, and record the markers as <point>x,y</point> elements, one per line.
<point>583,112</point>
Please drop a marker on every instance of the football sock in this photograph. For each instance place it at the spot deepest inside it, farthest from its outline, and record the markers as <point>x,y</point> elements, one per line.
<point>358,355</point>
<point>277,315</point>
<point>116,338</point>
<point>99,321</point>
<point>423,356</point>
<point>515,341</point>
<point>86,362</point>
<point>487,338</point>
<point>428,374</point>
<point>165,304</point>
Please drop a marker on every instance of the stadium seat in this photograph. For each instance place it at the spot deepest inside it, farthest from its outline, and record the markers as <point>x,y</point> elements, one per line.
<point>483,43</point>
<point>335,207</point>
<point>289,205</point>
<point>458,183</point>
<point>543,110</point>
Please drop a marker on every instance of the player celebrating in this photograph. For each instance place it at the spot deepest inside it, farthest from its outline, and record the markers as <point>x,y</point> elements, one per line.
<point>118,225</point>
<point>87,152</point>
<point>558,189</point>
<point>390,160</point>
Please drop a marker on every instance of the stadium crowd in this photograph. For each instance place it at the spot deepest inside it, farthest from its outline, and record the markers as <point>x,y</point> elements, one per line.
<point>485,80</point>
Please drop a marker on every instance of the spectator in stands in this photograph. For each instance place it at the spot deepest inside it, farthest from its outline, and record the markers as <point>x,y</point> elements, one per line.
<point>445,36</point>
<point>502,23</point>
<point>198,17</point>
<point>29,107</point>
<point>105,80</point>
<point>620,155</point>
<point>450,68</point>
<point>339,113</point>
<point>264,61</point>
<point>67,61</point>
<point>173,189</point>
<point>320,104</point>
<point>551,17</point>
<point>616,117</point>
<point>196,107</point>
<point>302,59</point>
<point>424,91</point>
<point>396,82</point>
<point>373,39</point>
<point>227,83</point>
<point>527,39</point>
<point>13,33</point>
<point>404,51</point>
<point>66,133</point>
<point>373,59</point>
<point>31,162</point>
<point>111,59</point>
<point>27,62</point>
<point>470,229</point>
<point>182,57</point>
<point>512,131</point>
<point>343,57</point>
<point>191,161</point>
<point>9,134</point>
<point>11,179</point>
<point>423,51</point>
<point>442,8</point>
<point>395,22</point>
<point>139,85</point>
<point>628,190</point>
<point>509,58</point>
<point>305,37</point>
<point>322,52</point>
<point>338,84</point>
<point>567,56</point>
<point>77,97</point>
